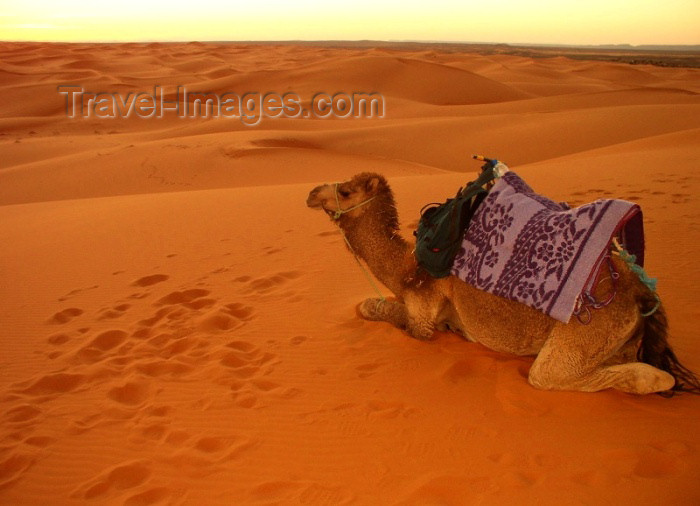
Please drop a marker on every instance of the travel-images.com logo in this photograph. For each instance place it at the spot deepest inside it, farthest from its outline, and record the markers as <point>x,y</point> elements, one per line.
<point>250,108</point>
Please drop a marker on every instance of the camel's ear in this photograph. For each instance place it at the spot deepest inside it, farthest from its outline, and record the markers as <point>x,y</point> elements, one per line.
<point>371,185</point>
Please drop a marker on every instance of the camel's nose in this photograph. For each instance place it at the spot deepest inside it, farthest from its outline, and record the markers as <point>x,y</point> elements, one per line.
<point>312,200</point>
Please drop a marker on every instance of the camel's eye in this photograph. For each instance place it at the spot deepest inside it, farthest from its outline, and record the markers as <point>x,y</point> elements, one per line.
<point>344,193</point>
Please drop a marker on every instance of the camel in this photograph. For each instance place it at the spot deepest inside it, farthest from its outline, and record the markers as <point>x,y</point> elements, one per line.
<point>618,349</point>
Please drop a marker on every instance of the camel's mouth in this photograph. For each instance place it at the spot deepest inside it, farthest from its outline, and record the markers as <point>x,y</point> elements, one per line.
<point>314,203</point>
<point>317,204</point>
<point>313,200</point>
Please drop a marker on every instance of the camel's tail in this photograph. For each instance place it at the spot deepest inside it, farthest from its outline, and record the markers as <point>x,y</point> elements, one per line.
<point>656,351</point>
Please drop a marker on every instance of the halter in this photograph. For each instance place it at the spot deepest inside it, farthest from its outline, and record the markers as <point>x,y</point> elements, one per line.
<point>339,212</point>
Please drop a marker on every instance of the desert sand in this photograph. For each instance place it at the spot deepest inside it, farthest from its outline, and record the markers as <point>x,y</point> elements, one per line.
<point>176,327</point>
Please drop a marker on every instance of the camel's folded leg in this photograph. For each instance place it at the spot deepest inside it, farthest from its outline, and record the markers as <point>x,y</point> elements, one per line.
<point>384,310</point>
<point>420,325</point>
<point>633,378</point>
<point>397,314</point>
<point>573,358</point>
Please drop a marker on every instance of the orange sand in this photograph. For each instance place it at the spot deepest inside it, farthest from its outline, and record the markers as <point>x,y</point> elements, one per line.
<point>177,327</point>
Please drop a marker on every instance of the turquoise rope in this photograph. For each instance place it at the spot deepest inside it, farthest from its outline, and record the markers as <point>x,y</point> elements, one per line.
<point>650,283</point>
<point>638,270</point>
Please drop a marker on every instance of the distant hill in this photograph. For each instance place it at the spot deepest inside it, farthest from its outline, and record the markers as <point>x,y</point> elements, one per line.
<point>621,47</point>
<point>660,55</point>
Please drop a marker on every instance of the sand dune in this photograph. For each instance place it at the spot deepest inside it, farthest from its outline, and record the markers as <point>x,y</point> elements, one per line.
<point>177,327</point>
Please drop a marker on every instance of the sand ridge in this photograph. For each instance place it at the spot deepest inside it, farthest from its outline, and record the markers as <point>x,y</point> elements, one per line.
<point>177,327</point>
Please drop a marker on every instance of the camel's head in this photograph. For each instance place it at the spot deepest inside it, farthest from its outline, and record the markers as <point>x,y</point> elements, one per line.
<point>350,198</point>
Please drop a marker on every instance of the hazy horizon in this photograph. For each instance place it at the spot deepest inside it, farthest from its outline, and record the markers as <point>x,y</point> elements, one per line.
<point>621,45</point>
<point>550,22</point>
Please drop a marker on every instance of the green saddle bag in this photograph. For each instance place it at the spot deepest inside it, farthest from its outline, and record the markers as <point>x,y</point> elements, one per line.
<point>442,226</point>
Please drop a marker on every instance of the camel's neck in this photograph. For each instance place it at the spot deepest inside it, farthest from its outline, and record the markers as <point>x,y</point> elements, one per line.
<point>381,246</point>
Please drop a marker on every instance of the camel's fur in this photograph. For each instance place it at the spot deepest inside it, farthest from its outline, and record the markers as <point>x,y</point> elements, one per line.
<point>570,356</point>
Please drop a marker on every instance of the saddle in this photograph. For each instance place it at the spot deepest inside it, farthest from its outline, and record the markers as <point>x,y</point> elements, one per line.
<point>530,249</point>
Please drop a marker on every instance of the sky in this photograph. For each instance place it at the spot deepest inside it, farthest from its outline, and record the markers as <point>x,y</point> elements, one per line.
<point>511,21</point>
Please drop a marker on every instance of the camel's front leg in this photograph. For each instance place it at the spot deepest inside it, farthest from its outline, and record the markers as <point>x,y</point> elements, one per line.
<point>419,324</point>
<point>422,310</point>
<point>384,310</point>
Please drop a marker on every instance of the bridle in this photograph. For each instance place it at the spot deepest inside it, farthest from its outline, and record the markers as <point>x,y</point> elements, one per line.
<point>335,215</point>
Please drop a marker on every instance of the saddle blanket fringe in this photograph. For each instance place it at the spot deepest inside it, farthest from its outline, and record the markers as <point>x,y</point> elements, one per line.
<point>530,249</point>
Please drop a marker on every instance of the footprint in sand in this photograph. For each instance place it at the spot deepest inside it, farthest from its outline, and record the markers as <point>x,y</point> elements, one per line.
<point>297,340</point>
<point>159,411</point>
<point>238,310</point>
<point>163,368</point>
<point>389,409</point>
<point>242,362</point>
<point>132,393</point>
<point>182,297</point>
<point>245,367</point>
<point>194,455</point>
<point>271,250</point>
<point>54,384</point>
<point>113,312</point>
<point>265,385</point>
<point>76,292</point>
<point>58,339</point>
<point>224,318</point>
<point>153,431</point>
<point>119,478</point>
<point>21,414</point>
<point>177,437</point>
<point>100,346</point>
<point>13,467</point>
<point>178,346</point>
<point>39,441</point>
<point>155,495</point>
<point>367,370</point>
<point>65,316</point>
<point>223,448</point>
<point>85,424</point>
<point>159,315</point>
<point>269,283</point>
<point>680,198</point>
<point>150,280</point>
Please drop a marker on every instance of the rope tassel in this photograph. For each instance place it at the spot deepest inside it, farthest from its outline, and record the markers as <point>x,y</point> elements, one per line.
<point>650,283</point>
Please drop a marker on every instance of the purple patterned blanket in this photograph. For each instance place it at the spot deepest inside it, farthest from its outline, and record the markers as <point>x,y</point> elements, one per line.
<point>527,248</point>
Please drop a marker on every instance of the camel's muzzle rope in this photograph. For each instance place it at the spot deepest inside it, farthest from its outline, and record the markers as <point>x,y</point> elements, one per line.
<point>335,216</point>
